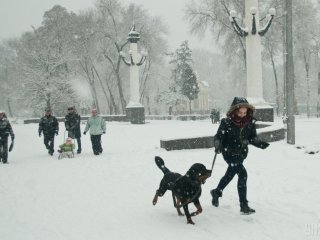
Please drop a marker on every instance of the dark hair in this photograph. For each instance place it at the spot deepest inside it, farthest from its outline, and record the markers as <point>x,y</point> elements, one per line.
<point>236,111</point>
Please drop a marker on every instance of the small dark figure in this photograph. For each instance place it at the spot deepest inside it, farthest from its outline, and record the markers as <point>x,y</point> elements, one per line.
<point>50,127</point>
<point>216,117</point>
<point>97,126</point>
<point>212,114</point>
<point>72,124</point>
<point>5,131</point>
<point>185,189</point>
<point>235,132</point>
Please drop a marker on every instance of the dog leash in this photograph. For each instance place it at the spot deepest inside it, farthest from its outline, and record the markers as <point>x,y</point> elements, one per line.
<point>197,193</point>
<point>214,160</point>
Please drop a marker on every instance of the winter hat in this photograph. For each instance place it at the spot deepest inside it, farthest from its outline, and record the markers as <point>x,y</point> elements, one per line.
<point>47,110</point>
<point>3,114</point>
<point>198,170</point>
<point>239,102</point>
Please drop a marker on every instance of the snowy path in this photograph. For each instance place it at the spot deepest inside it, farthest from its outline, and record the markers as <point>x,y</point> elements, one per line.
<point>109,196</point>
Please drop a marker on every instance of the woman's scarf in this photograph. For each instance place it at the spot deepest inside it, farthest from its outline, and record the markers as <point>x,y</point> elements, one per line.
<point>241,122</point>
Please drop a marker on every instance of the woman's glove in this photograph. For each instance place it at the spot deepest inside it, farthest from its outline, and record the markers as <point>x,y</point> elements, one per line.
<point>264,145</point>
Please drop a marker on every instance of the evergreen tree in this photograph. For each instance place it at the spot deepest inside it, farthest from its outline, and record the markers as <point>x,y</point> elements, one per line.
<point>185,80</point>
<point>190,87</point>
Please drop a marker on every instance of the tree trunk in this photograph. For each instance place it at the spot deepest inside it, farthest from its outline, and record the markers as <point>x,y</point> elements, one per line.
<point>307,69</point>
<point>284,58</point>
<point>9,108</point>
<point>290,75</point>
<point>148,104</point>
<point>275,79</point>
<point>95,96</point>
<point>318,103</point>
<point>116,70</point>
<point>144,82</point>
<point>111,105</point>
<point>90,79</point>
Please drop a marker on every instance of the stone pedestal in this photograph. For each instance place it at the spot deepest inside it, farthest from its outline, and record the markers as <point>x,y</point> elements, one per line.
<point>136,114</point>
<point>264,114</point>
<point>264,111</point>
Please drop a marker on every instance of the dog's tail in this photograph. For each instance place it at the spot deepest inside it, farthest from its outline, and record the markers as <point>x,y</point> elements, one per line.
<point>160,163</point>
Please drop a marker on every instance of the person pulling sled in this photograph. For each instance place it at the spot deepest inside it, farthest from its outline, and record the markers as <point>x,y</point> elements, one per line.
<point>5,131</point>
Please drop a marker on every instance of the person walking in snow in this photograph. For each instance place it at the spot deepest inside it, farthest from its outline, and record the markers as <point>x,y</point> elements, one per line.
<point>216,118</point>
<point>212,114</point>
<point>234,134</point>
<point>72,124</point>
<point>49,126</point>
<point>5,131</point>
<point>97,126</point>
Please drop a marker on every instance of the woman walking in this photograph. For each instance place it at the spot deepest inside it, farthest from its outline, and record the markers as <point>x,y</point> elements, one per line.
<point>235,132</point>
<point>97,126</point>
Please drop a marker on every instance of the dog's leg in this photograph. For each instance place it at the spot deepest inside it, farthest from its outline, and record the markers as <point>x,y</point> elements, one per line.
<point>155,198</point>
<point>177,204</point>
<point>198,206</point>
<point>188,215</point>
<point>174,200</point>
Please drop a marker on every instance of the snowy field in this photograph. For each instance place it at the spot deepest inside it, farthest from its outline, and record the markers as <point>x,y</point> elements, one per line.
<point>110,196</point>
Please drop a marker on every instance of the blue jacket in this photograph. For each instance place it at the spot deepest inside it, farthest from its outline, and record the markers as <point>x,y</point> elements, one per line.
<point>97,125</point>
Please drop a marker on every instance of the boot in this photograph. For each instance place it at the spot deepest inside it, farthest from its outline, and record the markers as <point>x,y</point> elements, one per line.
<point>215,193</point>
<point>245,209</point>
<point>79,151</point>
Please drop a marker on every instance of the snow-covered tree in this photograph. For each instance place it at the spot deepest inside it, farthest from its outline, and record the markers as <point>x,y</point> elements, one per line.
<point>185,80</point>
<point>43,57</point>
<point>306,38</point>
<point>9,78</point>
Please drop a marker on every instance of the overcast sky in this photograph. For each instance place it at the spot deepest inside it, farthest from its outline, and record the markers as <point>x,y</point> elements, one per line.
<point>17,16</point>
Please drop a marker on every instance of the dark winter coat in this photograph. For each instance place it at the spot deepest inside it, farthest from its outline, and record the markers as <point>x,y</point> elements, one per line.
<point>233,140</point>
<point>72,124</point>
<point>6,129</point>
<point>48,125</point>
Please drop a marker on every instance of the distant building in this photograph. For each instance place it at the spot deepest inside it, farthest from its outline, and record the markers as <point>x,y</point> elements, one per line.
<point>200,105</point>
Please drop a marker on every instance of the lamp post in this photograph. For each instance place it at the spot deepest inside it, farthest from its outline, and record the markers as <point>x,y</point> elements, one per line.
<point>134,109</point>
<point>252,33</point>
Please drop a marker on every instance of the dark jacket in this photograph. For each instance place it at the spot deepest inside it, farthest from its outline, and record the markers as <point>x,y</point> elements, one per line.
<point>72,124</point>
<point>233,140</point>
<point>6,129</point>
<point>48,125</point>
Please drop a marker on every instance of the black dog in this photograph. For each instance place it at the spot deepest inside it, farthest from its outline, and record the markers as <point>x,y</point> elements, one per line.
<point>185,189</point>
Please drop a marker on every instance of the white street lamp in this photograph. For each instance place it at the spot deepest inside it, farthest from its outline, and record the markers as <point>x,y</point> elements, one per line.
<point>134,109</point>
<point>252,33</point>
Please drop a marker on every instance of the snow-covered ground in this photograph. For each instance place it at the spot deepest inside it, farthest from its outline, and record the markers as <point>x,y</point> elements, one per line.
<point>110,196</point>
